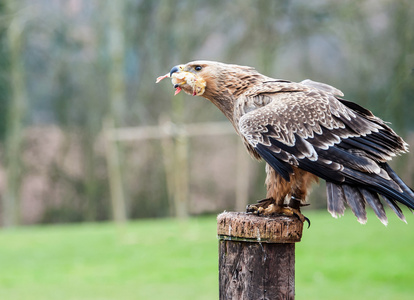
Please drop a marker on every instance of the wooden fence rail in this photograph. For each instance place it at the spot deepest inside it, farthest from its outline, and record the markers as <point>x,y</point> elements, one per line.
<point>174,142</point>
<point>168,129</point>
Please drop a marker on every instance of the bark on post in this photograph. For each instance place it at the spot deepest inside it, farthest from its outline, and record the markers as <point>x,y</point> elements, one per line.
<point>257,256</point>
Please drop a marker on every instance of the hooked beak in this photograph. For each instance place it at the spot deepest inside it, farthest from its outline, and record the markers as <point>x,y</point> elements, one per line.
<point>176,69</point>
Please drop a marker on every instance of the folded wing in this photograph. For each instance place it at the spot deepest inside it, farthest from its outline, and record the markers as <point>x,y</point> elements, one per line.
<point>305,125</point>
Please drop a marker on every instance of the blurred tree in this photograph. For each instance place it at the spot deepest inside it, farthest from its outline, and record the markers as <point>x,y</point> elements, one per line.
<point>81,56</point>
<point>401,81</point>
<point>5,67</point>
<point>15,117</point>
<point>117,93</point>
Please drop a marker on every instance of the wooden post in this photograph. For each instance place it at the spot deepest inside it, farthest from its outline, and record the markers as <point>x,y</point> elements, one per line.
<point>257,256</point>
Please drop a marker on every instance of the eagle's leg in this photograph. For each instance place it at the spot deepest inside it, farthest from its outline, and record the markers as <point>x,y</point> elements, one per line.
<point>277,190</point>
<point>300,187</point>
<point>295,205</point>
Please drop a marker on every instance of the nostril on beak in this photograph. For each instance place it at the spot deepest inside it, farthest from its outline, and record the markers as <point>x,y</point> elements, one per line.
<point>173,70</point>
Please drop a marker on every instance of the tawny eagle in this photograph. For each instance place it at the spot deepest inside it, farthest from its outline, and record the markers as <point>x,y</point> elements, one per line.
<point>304,131</point>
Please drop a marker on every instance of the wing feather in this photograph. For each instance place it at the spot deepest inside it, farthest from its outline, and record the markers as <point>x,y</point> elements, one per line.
<point>332,138</point>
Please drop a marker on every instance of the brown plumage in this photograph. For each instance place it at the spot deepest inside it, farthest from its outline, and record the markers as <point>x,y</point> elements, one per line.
<point>304,131</point>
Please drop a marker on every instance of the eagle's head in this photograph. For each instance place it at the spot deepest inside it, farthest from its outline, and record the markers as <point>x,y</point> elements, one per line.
<point>205,78</point>
<point>218,82</point>
<point>191,77</point>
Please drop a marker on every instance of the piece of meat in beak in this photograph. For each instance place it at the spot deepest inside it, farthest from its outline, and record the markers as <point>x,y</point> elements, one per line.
<point>188,81</point>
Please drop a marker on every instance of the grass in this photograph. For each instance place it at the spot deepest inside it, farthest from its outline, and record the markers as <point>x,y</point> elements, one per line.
<point>169,259</point>
<point>342,259</point>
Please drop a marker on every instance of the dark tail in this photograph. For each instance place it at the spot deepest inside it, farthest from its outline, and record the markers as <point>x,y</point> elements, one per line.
<point>365,191</point>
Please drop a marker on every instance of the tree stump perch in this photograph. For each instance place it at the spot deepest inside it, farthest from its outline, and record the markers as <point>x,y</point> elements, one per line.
<point>257,256</point>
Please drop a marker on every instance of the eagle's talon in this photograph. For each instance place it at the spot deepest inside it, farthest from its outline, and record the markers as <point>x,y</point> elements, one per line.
<point>267,207</point>
<point>301,217</point>
<point>307,220</point>
<point>262,207</point>
<point>251,209</point>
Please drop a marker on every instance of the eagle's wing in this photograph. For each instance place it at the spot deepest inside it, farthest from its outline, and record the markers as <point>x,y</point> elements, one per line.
<point>337,140</point>
<point>323,87</point>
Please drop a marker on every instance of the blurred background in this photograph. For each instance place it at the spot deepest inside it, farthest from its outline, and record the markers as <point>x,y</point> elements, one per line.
<point>87,135</point>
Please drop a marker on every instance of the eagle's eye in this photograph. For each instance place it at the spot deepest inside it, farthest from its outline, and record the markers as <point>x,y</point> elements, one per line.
<point>197,68</point>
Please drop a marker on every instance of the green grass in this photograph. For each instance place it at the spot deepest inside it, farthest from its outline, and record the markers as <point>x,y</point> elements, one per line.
<point>169,259</point>
<point>342,259</point>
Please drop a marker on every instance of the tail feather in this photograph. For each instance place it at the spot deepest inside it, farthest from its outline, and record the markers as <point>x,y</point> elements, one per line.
<point>394,206</point>
<point>393,190</point>
<point>402,185</point>
<point>373,200</point>
<point>367,190</point>
<point>356,202</point>
<point>336,199</point>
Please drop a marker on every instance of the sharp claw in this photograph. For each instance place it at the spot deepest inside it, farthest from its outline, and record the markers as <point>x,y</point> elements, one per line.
<point>297,216</point>
<point>307,220</point>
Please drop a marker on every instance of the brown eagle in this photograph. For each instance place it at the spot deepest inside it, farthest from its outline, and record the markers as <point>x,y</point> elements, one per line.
<point>304,131</point>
